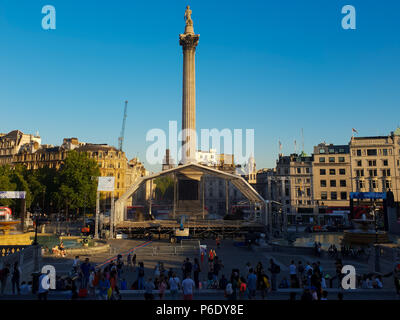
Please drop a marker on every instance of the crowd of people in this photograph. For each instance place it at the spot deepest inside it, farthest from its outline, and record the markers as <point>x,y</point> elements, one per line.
<point>106,281</point>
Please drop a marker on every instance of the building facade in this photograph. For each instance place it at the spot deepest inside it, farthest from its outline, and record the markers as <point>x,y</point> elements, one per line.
<point>375,163</point>
<point>14,142</point>
<point>331,178</point>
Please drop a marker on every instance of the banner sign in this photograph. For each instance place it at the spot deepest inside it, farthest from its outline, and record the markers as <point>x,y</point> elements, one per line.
<point>106,184</point>
<point>367,195</point>
<point>12,194</point>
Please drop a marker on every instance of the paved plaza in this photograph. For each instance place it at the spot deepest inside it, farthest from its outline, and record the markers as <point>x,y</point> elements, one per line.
<point>232,257</point>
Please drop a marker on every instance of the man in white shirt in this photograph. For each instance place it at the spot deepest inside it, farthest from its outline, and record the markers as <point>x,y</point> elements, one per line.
<point>174,283</point>
<point>75,264</point>
<point>44,285</point>
<point>187,287</point>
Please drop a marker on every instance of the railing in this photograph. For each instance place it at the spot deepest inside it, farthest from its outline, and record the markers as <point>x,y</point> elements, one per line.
<point>28,258</point>
<point>7,250</point>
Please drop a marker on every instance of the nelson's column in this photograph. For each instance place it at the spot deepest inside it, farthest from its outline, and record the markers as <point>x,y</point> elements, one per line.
<point>188,41</point>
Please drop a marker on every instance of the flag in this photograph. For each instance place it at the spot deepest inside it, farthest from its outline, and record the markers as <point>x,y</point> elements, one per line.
<point>354,130</point>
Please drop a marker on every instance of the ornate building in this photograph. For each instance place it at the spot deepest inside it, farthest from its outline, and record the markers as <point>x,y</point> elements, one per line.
<point>14,142</point>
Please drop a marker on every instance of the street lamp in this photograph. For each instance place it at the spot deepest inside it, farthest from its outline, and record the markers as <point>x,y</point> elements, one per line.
<point>35,242</point>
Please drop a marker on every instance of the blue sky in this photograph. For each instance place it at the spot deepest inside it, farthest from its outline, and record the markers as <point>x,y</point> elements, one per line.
<point>275,66</point>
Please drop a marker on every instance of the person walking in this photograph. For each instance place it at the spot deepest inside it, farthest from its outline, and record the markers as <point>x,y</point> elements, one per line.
<point>15,278</point>
<point>196,272</point>
<point>129,261</point>
<point>134,262</point>
<point>265,285</point>
<point>104,285</point>
<point>188,267</point>
<point>174,284</point>
<point>275,270</point>
<point>140,278</point>
<point>85,273</point>
<point>162,287</point>
<point>44,284</point>
<point>149,287</point>
<point>4,274</point>
<point>252,284</point>
<point>293,274</point>
<point>187,288</point>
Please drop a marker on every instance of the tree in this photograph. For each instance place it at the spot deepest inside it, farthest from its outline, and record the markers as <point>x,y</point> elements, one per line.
<point>6,184</point>
<point>164,188</point>
<point>77,186</point>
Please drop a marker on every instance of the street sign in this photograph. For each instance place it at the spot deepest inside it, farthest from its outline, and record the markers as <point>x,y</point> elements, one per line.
<point>12,194</point>
<point>106,184</point>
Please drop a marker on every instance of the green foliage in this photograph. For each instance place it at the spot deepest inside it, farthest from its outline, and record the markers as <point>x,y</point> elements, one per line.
<point>164,188</point>
<point>77,180</point>
<point>71,187</point>
<point>6,184</point>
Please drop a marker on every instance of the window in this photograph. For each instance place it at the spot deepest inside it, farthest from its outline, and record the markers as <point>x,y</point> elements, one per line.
<point>334,195</point>
<point>308,192</point>
<point>286,192</point>
<point>331,150</point>
<point>372,173</point>
<point>333,183</point>
<point>359,163</point>
<point>360,184</point>
<point>360,173</point>
<point>341,159</point>
<point>371,152</point>
<point>321,150</point>
<point>332,172</point>
<point>388,184</point>
<point>342,183</point>
<point>386,172</point>
<point>307,170</point>
<point>385,162</point>
<point>343,195</point>
<point>342,171</point>
<point>373,184</point>
<point>385,152</point>
<point>322,172</point>
<point>372,163</point>
<point>324,195</point>
<point>359,152</point>
<point>322,159</point>
<point>331,159</point>
<point>323,183</point>
<point>298,170</point>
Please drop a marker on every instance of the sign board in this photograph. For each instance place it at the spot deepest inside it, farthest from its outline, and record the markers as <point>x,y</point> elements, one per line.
<point>182,233</point>
<point>368,195</point>
<point>12,194</point>
<point>106,184</point>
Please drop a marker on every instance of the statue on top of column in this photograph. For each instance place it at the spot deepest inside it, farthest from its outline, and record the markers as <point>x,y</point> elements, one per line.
<point>188,16</point>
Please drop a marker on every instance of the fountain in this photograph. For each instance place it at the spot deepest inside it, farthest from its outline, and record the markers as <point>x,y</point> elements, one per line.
<point>6,225</point>
<point>364,233</point>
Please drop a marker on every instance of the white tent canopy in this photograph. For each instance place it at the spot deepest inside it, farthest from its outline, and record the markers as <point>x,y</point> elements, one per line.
<point>241,184</point>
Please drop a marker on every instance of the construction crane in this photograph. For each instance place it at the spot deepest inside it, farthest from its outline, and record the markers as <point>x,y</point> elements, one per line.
<point>121,137</point>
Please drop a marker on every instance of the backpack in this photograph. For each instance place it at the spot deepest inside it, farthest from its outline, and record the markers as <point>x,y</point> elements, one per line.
<point>266,282</point>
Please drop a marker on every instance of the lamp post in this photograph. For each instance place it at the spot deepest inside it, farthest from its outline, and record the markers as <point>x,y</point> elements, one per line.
<point>375,213</point>
<point>35,242</point>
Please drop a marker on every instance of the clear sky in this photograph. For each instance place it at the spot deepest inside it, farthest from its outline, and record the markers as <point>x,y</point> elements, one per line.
<point>275,66</point>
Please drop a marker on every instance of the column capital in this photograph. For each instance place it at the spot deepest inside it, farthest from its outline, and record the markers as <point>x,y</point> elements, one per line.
<point>188,41</point>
